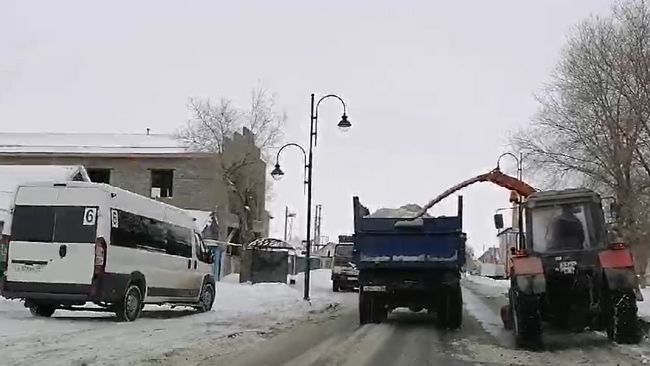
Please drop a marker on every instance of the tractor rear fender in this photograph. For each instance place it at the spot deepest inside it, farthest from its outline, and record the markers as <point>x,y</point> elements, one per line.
<point>618,267</point>
<point>531,284</point>
<point>527,266</point>
<point>615,259</point>
<point>528,273</point>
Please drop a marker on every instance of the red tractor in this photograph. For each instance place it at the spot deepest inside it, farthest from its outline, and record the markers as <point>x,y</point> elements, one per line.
<point>565,271</point>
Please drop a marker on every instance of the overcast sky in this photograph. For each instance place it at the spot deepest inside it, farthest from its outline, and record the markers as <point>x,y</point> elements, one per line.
<point>432,87</point>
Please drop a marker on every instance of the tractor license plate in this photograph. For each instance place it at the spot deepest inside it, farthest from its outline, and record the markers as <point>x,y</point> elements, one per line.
<point>568,267</point>
<point>374,288</point>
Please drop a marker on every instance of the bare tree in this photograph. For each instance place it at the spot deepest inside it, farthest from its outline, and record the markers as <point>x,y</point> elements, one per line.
<point>592,125</point>
<point>210,129</point>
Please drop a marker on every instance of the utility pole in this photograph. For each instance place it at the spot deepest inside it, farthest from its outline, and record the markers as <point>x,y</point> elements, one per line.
<point>317,221</point>
<point>286,221</point>
<point>287,216</point>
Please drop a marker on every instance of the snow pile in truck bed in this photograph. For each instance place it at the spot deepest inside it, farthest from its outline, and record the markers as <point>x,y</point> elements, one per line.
<point>406,211</point>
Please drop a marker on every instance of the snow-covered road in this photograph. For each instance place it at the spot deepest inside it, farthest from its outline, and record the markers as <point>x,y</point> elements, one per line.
<point>408,339</point>
<point>325,332</point>
<point>242,314</point>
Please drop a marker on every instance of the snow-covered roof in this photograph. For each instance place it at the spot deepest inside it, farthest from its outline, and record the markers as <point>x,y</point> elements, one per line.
<point>89,143</point>
<point>13,175</point>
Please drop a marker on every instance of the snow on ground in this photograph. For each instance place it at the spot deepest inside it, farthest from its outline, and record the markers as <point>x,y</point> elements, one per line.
<point>245,312</point>
<point>489,287</point>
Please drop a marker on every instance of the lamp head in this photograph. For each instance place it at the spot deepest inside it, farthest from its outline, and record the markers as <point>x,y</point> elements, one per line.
<point>344,125</point>
<point>277,173</point>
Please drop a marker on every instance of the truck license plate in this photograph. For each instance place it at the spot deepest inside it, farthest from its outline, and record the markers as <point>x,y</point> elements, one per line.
<point>374,288</point>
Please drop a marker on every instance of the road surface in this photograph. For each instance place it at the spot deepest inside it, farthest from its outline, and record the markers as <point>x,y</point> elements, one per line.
<point>408,339</point>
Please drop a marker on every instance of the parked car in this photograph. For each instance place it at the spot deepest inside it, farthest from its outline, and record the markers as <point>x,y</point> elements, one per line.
<point>77,242</point>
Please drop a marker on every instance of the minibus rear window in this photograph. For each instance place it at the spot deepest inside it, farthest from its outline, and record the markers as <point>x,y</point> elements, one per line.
<point>54,224</point>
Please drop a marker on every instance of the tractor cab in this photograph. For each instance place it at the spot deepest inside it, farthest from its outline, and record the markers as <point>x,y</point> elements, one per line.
<point>561,222</point>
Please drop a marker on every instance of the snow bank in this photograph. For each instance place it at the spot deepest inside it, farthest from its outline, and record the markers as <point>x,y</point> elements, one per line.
<point>405,211</point>
<point>490,282</point>
<point>487,286</point>
<point>644,306</point>
<point>244,313</point>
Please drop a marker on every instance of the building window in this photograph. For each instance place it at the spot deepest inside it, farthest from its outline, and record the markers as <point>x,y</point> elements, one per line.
<point>99,175</point>
<point>162,182</point>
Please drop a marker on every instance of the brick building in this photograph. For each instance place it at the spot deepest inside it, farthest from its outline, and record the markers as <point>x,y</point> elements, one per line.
<point>152,165</point>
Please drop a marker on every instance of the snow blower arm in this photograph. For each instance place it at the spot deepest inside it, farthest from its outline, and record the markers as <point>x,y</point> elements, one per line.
<point>495,176</point>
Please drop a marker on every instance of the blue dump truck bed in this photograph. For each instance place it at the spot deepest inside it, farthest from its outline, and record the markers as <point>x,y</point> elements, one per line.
<point>400,243</point>
<point>409,263</point>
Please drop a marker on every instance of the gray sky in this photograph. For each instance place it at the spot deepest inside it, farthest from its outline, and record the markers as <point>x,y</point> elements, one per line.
<point>433,87</point>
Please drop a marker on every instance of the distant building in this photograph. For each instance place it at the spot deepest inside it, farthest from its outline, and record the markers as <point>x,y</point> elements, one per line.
<point>326,250</point>
<point>507,239</point>
<point>490,256</point>
<point>152,165</point>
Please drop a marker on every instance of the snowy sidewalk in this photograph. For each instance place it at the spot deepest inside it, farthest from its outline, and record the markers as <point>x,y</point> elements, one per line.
<point>243,314</point>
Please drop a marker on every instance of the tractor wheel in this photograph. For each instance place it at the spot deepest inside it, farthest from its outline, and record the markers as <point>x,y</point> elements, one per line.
<point>506,317</point>
<point>622,322</point>
<point>526,320</point>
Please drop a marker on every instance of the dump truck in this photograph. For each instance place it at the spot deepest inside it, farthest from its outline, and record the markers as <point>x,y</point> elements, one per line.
<point>414,264</point>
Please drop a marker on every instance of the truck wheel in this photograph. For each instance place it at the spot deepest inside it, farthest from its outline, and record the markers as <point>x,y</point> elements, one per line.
<point>455,308</point>
<point>42,311</point>
<point>450,308</point>
<point>379,311</point>
<point>526,320</point>
<point>335,286</point>
<point>415,308</point>
<point>623,326</point>
<point>365,308</point>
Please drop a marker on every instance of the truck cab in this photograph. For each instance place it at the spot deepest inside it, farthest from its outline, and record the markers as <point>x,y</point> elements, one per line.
<point>345,275</point>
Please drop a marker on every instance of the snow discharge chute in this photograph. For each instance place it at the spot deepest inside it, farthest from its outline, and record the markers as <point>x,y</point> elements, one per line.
<point>495,176</point>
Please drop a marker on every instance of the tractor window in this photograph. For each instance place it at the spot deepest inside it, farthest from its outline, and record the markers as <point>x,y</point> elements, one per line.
<point>560,228</point>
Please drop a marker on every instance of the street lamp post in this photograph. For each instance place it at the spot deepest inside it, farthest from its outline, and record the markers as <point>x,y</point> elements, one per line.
<point>520,205</point>
<point>277,173</point>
